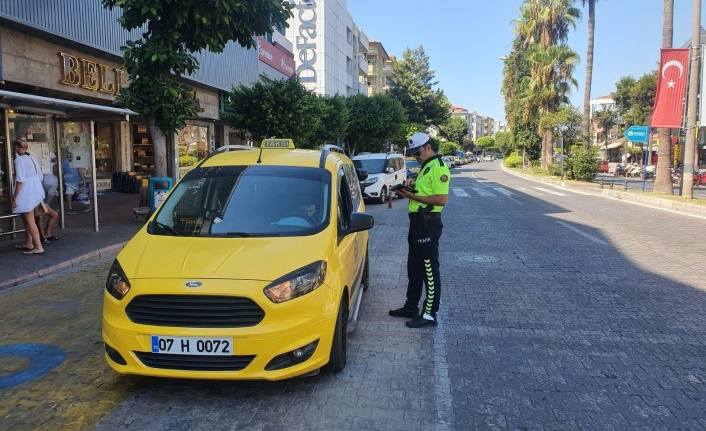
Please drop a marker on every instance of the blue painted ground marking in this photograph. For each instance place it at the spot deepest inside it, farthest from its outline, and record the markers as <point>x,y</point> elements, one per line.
<point>42,359</point>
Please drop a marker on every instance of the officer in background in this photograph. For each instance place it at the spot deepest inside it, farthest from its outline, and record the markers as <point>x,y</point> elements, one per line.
<point>427,196</point>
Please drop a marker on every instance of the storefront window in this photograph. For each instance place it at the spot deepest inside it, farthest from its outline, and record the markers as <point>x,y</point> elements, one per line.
<point>5,168</point>
<point>105,144</point>
<point>39,132</point>
<point>193,144</point>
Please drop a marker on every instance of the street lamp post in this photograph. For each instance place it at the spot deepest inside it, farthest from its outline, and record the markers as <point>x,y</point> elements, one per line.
<point>687,183</point>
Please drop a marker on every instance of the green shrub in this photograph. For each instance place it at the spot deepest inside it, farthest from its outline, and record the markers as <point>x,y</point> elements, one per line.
<point>554,170</point>
<point>187,161</point>
<point>513,161</point>
<point>583,166</point>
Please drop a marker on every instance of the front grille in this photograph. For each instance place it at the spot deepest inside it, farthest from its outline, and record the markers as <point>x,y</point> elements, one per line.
<point>194,311</point>
<point>194,362</point>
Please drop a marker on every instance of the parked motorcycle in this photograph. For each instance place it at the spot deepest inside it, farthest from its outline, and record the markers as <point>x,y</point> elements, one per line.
<point>619,171</point>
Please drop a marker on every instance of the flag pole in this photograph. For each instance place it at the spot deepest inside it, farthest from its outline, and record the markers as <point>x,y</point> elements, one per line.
<point>687,182</point>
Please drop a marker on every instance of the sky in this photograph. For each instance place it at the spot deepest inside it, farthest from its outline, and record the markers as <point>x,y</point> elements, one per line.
<point>465,38</point>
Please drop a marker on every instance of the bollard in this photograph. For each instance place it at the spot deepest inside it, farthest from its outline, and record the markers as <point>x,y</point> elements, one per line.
<point>626,185</point>
<point>611,184</point>
<point>389,200</point>
<point>602,183</point>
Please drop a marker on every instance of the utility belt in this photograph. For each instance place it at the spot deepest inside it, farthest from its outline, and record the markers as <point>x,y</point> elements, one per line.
<point>422,216</point>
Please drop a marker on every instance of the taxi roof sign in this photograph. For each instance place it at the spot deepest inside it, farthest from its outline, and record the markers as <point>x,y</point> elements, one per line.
<point>277,143</point>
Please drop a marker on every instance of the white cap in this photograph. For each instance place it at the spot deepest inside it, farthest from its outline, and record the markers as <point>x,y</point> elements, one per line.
<point>415,142</point>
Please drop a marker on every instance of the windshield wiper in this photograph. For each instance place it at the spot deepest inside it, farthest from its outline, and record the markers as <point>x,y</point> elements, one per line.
<point>250,235</point>
<point>165,227</point>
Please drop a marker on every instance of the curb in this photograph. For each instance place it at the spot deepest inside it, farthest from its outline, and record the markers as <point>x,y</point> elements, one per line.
<point>94,256</point>
<point>651,201</point>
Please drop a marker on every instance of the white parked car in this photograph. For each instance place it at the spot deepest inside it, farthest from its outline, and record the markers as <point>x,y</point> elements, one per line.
<point>385,171</point>
<point>488,158</point>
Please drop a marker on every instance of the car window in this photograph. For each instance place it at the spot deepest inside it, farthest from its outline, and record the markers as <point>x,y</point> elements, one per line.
<point>372,166</point>
<point>353,184</point>
<point>345,204</point>
<point>243,201</point>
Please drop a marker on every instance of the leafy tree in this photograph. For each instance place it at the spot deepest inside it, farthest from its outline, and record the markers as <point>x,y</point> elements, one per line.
<point>454,129</point>
<point>522,122</point>
<point>503,142</point>
<point>487,143</point>
<point>278,109</point>
<point>173,31</point>
<point>447,148</point>
<point>334,120</point>
<point>373,121</point>
<point>606,119</point>
<point>412,86</point>
<point>634,99</point>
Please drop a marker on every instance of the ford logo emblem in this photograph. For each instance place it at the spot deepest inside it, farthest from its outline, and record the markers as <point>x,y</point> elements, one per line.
<point>193,284</point>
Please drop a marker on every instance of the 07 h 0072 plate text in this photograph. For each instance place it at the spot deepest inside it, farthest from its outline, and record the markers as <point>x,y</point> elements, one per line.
<point>192,345</point>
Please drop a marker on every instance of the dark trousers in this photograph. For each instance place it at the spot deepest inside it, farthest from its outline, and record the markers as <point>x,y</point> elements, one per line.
<point>423,264</point>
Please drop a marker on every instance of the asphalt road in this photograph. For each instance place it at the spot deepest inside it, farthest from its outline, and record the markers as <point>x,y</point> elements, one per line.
<point>560,310</point>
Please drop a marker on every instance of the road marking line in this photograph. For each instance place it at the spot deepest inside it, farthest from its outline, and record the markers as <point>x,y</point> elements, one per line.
<point>530,192</point>
<point>483,192</point>
<point>582,233</point>
<point>458,191</point>
<point>503,191</point>
<point>550,191</point>
<point>515,200</point>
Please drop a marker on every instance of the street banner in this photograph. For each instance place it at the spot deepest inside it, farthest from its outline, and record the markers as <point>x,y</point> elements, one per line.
<point>671,88</point>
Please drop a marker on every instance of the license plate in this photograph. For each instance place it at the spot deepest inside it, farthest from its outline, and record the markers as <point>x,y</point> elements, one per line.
<point>192,345</point>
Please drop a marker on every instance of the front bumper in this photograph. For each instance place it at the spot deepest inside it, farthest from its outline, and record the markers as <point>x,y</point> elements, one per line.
<point>285,327</point>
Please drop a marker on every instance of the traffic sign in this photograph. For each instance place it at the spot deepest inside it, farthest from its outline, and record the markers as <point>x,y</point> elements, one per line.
<point>638,134</point>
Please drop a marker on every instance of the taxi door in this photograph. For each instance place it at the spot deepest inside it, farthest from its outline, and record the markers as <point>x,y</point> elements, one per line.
<point>349,247</point>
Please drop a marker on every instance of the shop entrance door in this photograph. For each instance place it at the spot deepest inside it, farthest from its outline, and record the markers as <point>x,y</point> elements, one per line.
<point>77,168</point>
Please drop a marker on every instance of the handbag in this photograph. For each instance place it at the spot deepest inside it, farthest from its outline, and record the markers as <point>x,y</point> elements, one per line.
<point>83,194</point>
<point>41,209</point>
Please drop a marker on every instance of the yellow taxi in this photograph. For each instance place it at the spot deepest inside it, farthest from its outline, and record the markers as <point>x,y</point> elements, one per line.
<point>253,267</point>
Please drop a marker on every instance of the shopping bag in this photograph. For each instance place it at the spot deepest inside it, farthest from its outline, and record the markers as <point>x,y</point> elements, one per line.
<point>40,209</point>
<point>84,193</point>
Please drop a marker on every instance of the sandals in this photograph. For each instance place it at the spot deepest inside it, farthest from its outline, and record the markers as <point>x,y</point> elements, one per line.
<point>51,238</point>
<point>23,247</point>
<point>32,252</point>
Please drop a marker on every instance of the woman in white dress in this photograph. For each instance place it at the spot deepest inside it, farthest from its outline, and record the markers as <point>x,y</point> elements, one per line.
<point>29,192</point>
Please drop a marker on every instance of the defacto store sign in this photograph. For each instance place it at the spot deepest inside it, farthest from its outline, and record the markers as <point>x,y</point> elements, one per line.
<point>270,54</point>
<point>304,42</point>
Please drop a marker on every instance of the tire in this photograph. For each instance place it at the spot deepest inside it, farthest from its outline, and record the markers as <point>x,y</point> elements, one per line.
<point>339,347</point>
<point>366,273</point>
<point>383,195</point>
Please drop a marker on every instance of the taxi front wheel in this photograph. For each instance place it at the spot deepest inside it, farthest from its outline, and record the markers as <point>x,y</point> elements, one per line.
<point>337,360</point>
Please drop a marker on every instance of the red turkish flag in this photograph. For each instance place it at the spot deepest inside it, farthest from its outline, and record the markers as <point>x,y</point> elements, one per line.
<point>671,88</point>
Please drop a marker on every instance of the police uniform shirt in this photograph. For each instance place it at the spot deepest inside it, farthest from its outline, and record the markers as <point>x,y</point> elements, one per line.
<point>433,179</point>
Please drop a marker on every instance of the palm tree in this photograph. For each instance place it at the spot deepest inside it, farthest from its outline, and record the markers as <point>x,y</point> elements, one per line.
<point>546,23</point>
<point>589,71</point>
<point>663,183</point>
<point>549,86</point>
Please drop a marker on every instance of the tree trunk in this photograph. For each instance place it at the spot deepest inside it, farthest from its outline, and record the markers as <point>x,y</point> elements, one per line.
<point>663,180</point>
<point>550,147</point>
<point>159,142</point>
<point>589,74</point>
<point>544,150</point>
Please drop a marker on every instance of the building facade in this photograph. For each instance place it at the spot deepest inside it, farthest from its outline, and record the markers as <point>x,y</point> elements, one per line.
<point>328,48</point>
<point>59,79</point>
<point>379,69</point>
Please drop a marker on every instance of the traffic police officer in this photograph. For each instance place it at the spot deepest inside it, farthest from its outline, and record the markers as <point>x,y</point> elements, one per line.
<point>427,197</point>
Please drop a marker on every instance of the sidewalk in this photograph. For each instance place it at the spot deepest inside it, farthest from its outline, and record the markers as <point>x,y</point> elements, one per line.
<point>694,207</point>
<point>78,243</point>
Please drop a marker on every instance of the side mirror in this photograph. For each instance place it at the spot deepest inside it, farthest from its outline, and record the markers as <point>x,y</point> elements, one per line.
<point>360,222</point>
<point>390,170</point>
<point>362,175</point>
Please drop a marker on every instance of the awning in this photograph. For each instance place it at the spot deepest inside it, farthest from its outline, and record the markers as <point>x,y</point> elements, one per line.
<point>50,105</point>
<point>614,145</point>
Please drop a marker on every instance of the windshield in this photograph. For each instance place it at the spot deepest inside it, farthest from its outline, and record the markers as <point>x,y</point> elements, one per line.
<point>371,166</point>
<point>412,164</point>
<point>244,201</point>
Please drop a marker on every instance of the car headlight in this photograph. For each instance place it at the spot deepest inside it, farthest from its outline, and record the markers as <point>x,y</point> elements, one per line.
<point>370,181</point>
<point>117,283</point>
<point>297,283</point>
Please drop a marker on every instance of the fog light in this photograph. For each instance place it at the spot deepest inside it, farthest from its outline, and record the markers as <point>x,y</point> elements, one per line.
<point>296,356</point>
